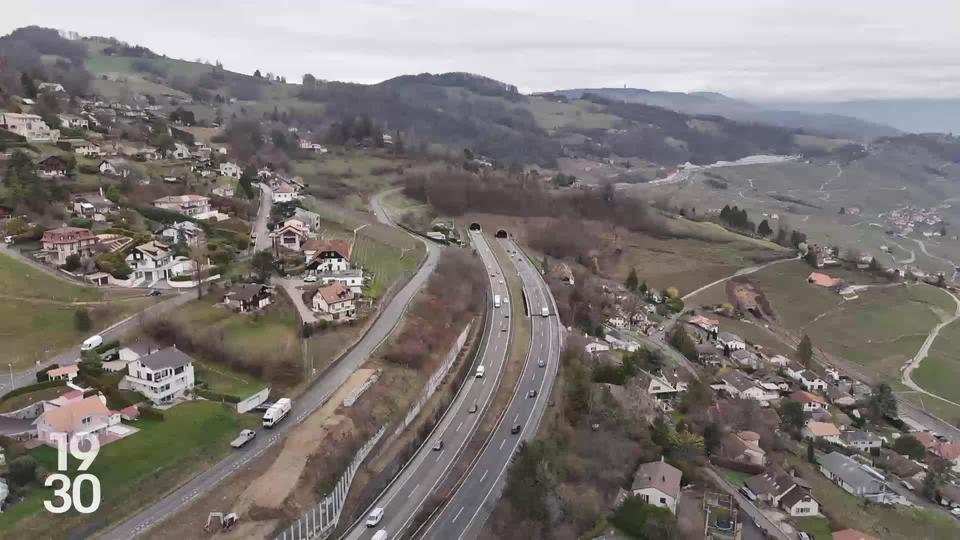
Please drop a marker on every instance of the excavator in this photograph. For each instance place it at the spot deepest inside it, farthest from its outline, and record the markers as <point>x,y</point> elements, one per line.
<point>225,521</point>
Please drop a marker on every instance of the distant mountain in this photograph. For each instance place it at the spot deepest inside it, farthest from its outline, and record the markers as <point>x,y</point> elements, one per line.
<point>911,115</point>
<point>711,103</point>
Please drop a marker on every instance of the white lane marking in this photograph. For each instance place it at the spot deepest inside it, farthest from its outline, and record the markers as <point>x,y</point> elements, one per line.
<point>483,476</point>
<point>515,418</point>
<point>460,426</point>
<point>416,487</point>
<point>502,443</point>
<point>458,515</point>
<point>439,455</point>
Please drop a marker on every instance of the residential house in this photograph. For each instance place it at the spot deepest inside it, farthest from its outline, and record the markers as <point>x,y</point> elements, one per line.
<point>799,503</point>
<point>224,191</point>
<point>311,146</point>
<point>196,206</point>
<point>863,441</point>
<point>823,280</point>
<point>852,534</point>
<point>180,151</point>
<point>772,382</point>
<point>839,397</point>
<point>771,486</point>
<point>230,169</point>
<point>86,149</point>
<point>162,376</point>
<point>247,297</point>
<point>617,321</point>
<point>949,452</point>
<point>738,385</point>
<point>51,167</point>
<point>731,342</point>
<point>743,447</point>
<point>186,232</point>
<point>93,206</point>
<point>58,244</point>
<point>327,256</point>
<point>29,126</point>
<point>811,382</point>
<point>50,87</point>
<point>76,418</point>
<point>284,193</point>
<point>620,344</point>
<point>665,386</point>
<point>816,431</point>
<point>154,261</point>
<point>308,218</point>
<point>810,402</point>
<point>73,121</point>
<point>595,346</point>
<point>779,360</point>
<point>335,303</point>
<point>746,359</point>
<point>708,355</point>
<point>114,167</point>
<point>65,373</point>
<point>292,235</point>
<point>707,324</point>
<point>855,478</point>
<point>657,483</point>
<point>351,279</point>
<point>147,153</point>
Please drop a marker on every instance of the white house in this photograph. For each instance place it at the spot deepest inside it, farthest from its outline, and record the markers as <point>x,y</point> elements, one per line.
<point>87,149</point>
<point>738,385</point>
<point>65,373</point>
<point>284,193</point>
<point>811,382</point>
<point>816,431</point>
<point>335,303</point>
<point>180,151</point>
<point>230,169</point>
<point>810,402</point>
<point>743,447</point>
<point>595,346</point>
<point>29,126</point>
<point>73,121</point>
<point>114,167</point>
<point>327,256</point>
<point>292,235</point>
<point>731,342</point>
<point>187,232</point>
<point>863,441</point>
<point>308,218</point>
<point>154,261</point>
<point>162,376</point>
<point>189,205</point>
<point>799,503</point>
<point>78,417</point>
<point>657,483</point>
<point>351,279</point>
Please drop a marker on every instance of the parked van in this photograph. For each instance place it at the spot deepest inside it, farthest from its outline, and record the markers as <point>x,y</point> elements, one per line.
<point>480,371</point>
<point>91,343</point>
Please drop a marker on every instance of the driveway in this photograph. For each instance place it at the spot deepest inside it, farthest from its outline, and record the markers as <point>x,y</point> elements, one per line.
<point>294,288</point>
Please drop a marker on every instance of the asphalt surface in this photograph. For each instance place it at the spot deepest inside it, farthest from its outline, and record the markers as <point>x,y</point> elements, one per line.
<point>263,216</point>
<point>311,400</point>
<point>465,513</point>
<point>404,497</point>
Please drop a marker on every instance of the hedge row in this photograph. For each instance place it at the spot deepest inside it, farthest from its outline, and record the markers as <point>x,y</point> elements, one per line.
<point>215,396</point>
<point>33,388</point>
<point>151,413</point>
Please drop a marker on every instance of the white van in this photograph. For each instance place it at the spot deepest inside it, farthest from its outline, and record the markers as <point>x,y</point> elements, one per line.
<point>374,517</point>
<point>480,371</point>
<point>91,343</point>
<point>380,535</point>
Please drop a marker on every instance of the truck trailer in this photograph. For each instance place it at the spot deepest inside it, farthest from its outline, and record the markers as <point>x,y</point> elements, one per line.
<point>276,412</point>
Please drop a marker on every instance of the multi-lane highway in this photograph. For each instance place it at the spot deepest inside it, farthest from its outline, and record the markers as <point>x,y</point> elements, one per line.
<point>313,398</point>
<point>466,511</point>
<point>406,494</point>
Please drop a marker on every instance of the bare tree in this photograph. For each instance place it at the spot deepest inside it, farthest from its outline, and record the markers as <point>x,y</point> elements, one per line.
<point>200,259</point>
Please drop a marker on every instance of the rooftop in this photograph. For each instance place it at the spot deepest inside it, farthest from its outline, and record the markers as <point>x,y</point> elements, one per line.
<point>659,475</point>
<point>171,357</point>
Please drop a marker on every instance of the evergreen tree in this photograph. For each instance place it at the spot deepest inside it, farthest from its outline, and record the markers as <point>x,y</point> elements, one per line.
<point>805,351</point>
<point>631,282</point>
<point>764,229</point>
<point>28,86</point>
<point>930,486</point>
<point>711,438</point>
<point>811,453</point>
<point>643,287</point>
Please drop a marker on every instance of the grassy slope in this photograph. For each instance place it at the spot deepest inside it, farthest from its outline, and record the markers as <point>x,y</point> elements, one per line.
<point>135,469</point>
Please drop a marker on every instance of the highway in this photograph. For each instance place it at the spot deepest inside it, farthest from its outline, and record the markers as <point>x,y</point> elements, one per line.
<point>317,394</point>
<point>464,514</point>
<point>406,494</point>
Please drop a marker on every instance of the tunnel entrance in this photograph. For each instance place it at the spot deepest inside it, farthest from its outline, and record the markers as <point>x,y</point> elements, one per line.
<point>501,233</point>
<point>475,226</point>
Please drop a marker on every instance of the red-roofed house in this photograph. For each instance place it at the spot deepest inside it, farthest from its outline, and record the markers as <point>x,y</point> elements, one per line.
<point>335,303</point>
<point>58,244</point>
<point>821,430</point>
<point>327,255</point>
<point>811,402</point>
<point>710,325</point>
<point>130,413</point>
<point>949,452</point>
<point>66,373</point>
<point>88,416</point>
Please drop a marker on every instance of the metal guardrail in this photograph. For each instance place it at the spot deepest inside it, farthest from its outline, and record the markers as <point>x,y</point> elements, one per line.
<point>321,520</point>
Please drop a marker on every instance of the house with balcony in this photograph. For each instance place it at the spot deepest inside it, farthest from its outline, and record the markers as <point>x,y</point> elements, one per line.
<point>230,169</point>
<point>324,256</point>
<point>186,232</point>
<point>58,244</point>
<point>163,376</point>
<point>154,261</point>
<point>76,417</point>
<point>29,126</point>
<point>335,303</point>
<point>73,121</point>
<point>293,234</point>
<point>196,206</point>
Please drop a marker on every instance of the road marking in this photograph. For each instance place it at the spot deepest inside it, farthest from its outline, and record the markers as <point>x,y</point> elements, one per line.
<point>460,426</point>
<point>458,515</point>
<point>416,487</point>
<point>483,476</point>
<point>515,418</point>
<point>502,443</point>
<point>439,455</point>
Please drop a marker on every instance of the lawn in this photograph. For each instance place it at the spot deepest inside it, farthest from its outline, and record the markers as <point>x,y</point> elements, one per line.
<point>736,478</point>
<point>385,264</point>
<point>262,335</point>
<point>363,172</point>
<point>887,522</point>
<point>223,380</point>
<point>939,372</point>
<point>817,527</point>
<point>136,470</point>
<point>20,279</point>
<point>20,401</point>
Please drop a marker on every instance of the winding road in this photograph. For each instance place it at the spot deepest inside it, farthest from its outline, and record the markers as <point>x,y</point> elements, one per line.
<point>907,372</point>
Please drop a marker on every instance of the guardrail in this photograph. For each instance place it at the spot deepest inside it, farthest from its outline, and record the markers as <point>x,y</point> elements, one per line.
<point>318,522</point>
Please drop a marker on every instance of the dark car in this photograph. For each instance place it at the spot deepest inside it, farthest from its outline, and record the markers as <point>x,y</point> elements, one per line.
<point>515,429</point>
<point>473,408</point>
<point>153,292</point>
<point>438,446</point>
<point>532,394</point>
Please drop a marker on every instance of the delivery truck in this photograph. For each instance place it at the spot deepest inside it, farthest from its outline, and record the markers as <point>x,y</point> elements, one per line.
<point>496,300</point>
<point>276,412</point>
<point>544,312</point>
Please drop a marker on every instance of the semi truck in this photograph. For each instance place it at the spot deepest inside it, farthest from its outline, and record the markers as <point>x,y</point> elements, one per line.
<point>496,300</point>
<point>276,412</point>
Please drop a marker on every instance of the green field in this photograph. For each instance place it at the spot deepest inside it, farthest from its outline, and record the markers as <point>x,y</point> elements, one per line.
<point>135,470</point>
<point>362,173</point>
<point>223,380</point>
<point>37,311</point>
<point>551,114</point>
<point>939,372</point>
<point>817,527</point>
<point>384,263</point>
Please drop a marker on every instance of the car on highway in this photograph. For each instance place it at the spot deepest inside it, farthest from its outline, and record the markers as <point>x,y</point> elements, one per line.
<point>245,436</point>
<point>504,329</point>
<point>438,446</point>
<point>516,429</point>
<point>542,363</point>
<point>473,408</point>
<point>374,517</point>
<point>532,394</point>
<point>380,535</point>
<point>804,536</point>
<point>480,371</point>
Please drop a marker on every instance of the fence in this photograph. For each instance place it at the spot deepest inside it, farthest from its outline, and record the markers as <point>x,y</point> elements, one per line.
<point>322,519</point>
<point>435,380</point>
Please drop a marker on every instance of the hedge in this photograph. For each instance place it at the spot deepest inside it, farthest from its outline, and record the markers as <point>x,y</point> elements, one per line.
<point>33,388</point>
<point>151,413</point>
<point>215,396</point>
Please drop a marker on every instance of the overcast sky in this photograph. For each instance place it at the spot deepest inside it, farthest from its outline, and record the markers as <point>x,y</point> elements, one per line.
<point>759,49</point>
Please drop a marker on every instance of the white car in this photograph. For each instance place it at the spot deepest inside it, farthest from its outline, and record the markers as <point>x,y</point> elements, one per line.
<point>310,278</point>
<point>374,517</point>
<point>91,343</point>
